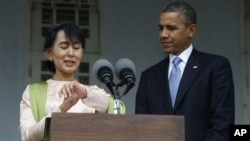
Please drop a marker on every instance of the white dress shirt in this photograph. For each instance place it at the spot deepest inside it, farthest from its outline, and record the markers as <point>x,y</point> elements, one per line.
<point>184,57</point>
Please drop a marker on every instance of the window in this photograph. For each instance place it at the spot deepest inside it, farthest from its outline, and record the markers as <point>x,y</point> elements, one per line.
<point>58,11</point>
<point>44,13</point>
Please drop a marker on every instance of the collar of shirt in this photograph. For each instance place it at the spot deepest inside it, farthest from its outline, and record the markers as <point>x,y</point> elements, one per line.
<point>184,57</point>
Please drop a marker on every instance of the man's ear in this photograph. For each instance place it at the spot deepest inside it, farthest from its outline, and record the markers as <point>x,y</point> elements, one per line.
<point>192,30</point>
<point>48,54</point>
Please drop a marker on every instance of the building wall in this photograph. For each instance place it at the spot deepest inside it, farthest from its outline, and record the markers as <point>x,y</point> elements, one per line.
<point>13,66</point>
<point>128,29</point>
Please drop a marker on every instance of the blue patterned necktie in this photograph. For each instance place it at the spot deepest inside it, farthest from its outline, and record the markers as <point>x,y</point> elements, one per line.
<point>174,79</point>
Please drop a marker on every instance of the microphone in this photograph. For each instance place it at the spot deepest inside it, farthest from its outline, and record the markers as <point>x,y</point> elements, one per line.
<point>125,71</point>
<point>103,70</point>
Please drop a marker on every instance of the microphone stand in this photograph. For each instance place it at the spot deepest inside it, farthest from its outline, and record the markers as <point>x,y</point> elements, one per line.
<point>117,98</point>
<point>117,101</point>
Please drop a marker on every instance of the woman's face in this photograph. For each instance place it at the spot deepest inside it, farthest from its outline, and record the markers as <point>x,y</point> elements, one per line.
<point>65,54</point>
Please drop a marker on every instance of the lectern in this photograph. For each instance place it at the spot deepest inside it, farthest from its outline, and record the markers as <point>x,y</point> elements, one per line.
<point>109,127</point>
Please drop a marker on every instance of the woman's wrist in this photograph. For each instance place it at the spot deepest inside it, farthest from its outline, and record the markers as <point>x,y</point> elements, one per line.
<point>84,95</point>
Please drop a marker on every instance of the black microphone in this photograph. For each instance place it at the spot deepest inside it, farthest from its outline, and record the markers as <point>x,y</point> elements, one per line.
<point>103,70</point>
<point>125,71</point>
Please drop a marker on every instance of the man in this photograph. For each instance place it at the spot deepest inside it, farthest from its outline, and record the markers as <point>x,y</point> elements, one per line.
<point>204,95</point>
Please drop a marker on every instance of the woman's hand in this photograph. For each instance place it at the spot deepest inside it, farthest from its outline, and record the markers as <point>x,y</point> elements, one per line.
<point>71,93</point>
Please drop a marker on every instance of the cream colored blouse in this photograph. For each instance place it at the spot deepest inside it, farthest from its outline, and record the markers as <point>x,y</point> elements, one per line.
<point>97,99</point>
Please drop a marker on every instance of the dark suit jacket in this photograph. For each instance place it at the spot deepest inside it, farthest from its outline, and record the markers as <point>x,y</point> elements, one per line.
<point>205,96</point>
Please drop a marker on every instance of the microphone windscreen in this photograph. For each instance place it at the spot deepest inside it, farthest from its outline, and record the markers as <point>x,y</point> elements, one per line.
<point>101,63</point>
<point>124,63</point>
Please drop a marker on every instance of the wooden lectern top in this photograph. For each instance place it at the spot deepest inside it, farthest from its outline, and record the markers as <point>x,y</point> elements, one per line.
<point>109,127</point>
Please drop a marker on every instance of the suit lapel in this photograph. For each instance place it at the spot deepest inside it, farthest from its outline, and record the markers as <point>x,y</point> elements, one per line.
<point>191,70</point>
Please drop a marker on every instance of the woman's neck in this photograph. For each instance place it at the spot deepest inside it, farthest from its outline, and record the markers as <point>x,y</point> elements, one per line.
<point>64,77</point>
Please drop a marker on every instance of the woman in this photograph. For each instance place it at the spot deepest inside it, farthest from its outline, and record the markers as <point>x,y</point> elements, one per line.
<point>63,47</point>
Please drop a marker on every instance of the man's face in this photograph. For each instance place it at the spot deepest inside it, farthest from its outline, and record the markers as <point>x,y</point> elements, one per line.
<point>174,35</point>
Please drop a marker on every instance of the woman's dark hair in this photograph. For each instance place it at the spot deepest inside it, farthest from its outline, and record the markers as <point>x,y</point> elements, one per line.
<point>72,32</point>
<point>186,10</point>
